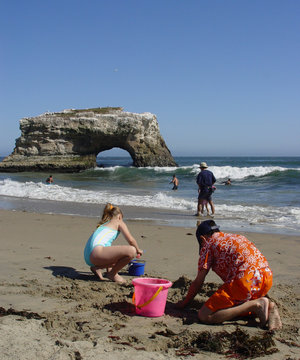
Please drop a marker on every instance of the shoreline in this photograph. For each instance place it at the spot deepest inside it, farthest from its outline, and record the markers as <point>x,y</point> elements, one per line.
<point>159,216</point>
<point>43,272</point>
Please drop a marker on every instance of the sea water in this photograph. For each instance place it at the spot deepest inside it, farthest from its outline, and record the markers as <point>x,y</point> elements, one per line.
<point>264,195</point>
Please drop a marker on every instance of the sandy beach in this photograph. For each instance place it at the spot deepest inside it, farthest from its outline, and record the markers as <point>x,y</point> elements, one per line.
<point>53,307</point>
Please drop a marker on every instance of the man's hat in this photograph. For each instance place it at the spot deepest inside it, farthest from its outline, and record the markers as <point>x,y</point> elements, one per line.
<point>203,165</point>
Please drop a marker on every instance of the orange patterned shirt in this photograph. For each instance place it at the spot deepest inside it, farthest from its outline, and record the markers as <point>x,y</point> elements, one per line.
<point>230,255</point>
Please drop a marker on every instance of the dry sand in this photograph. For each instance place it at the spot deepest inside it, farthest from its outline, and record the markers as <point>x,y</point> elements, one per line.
<point>53,307</point>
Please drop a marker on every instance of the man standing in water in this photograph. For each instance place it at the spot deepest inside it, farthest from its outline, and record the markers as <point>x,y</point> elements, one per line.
<point>205,181</point>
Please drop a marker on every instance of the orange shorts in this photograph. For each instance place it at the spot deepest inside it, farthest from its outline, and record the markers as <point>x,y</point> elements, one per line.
<point>250,287</point>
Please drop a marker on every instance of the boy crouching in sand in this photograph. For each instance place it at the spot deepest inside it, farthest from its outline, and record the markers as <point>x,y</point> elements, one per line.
<point>246,275</point>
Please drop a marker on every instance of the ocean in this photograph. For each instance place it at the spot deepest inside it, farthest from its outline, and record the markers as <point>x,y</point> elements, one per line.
<point>264,195</point>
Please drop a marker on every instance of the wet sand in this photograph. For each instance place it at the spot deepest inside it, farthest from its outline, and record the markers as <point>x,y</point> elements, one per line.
<point>52,306</point>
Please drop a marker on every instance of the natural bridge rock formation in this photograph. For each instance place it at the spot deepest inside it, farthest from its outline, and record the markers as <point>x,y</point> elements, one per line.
<point>69,141</point>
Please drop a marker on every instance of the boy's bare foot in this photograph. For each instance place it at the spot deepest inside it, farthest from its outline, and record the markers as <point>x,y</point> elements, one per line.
<point>274,317</point>
<point>262,310</point>
<point>97,272</point>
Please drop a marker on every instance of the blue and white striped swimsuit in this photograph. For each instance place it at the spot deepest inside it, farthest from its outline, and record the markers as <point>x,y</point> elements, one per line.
<point>102,236</point>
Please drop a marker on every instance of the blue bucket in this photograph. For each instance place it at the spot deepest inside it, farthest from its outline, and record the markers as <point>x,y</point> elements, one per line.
<point>136,267</point>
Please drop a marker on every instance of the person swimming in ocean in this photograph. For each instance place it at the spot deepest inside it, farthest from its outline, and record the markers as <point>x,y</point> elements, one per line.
<point>227,182</point>
<point>49,180</point>
<point>175,182</point>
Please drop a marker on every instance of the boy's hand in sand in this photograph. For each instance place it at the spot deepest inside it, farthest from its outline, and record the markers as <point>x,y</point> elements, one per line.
<point>180,305</point>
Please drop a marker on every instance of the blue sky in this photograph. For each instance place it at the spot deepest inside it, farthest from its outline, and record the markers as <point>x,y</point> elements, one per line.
<point>222,77</point>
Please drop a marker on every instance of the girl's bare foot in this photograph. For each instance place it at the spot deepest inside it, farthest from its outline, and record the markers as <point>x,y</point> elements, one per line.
<point>262,310</point>
<point>274,317</point>
<point>97,272</point>
<point>116,278</point>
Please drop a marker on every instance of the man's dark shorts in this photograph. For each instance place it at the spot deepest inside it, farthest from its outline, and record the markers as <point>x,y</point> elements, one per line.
<point>204,195</point>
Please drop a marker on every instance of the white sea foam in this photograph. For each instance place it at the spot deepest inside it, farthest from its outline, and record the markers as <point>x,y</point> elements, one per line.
<point>238,173</point>
<point>220,172</point>
<point>109,168</point>
<point>169,169</point>
<point>42,191</point>
<point>277,217</point>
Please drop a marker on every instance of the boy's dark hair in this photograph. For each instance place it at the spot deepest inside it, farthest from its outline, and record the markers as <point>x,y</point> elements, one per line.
<point>207,227</point>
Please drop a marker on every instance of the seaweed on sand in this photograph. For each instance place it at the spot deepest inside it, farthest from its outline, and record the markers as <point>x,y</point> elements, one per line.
<point>26,314</point>
<point>209,341</point>
<point>238,344</point>
<point>251,346</point>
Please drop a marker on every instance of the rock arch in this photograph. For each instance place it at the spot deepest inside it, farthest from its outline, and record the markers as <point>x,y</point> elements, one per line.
<point>69,141</point>
<point>114,157</point>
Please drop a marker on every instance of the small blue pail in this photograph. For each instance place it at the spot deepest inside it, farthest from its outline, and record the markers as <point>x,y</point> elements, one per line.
<point>136,267</point>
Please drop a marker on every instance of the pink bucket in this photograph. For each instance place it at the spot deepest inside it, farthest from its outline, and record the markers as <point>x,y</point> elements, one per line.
<point>150,296</point>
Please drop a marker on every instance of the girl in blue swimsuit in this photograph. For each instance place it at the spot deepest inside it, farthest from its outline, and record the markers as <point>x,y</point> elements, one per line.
<point>99,253</point>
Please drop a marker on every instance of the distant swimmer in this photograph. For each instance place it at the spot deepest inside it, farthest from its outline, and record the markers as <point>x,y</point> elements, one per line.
<point>49,180</point>
<point>227,182</point>
<point>175,182</point>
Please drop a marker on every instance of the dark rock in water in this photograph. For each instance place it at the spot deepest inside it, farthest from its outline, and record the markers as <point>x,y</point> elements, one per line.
<point>69,141</point>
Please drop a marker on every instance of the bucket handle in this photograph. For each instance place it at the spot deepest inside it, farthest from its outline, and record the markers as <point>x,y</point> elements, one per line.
<point>148,301</point>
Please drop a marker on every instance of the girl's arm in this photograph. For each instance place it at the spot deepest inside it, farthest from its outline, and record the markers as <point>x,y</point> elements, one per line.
<point>130,239</point>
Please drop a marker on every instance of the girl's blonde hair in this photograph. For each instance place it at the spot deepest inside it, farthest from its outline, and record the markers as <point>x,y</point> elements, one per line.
<point>109,212</point>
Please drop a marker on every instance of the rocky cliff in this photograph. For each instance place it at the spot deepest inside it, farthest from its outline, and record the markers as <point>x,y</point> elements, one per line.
<point>70,140</point>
